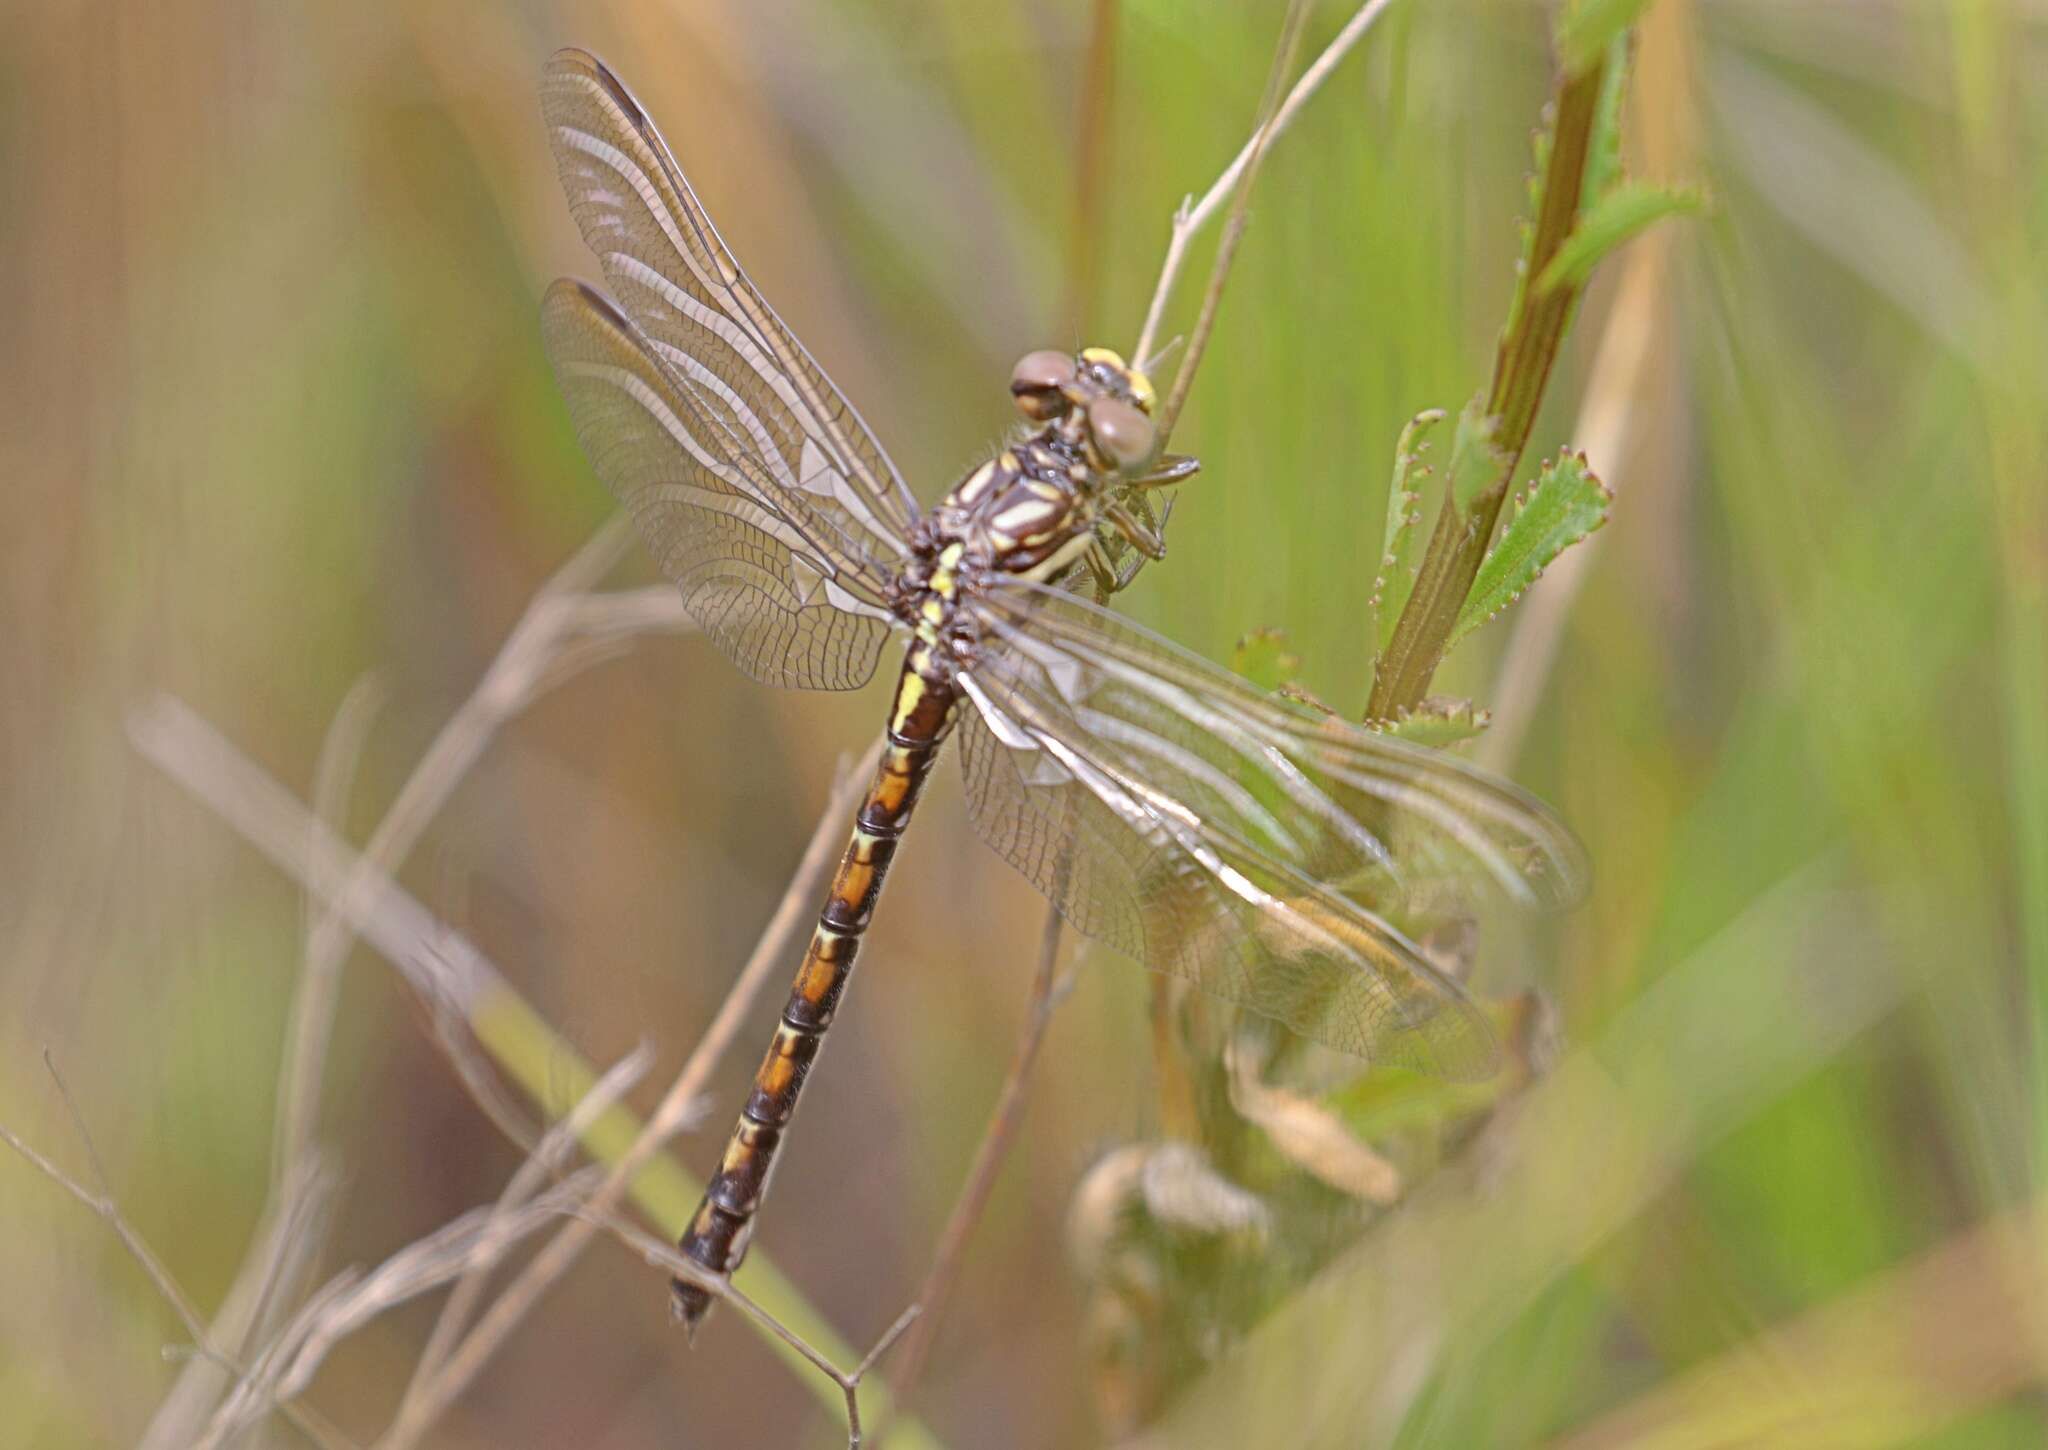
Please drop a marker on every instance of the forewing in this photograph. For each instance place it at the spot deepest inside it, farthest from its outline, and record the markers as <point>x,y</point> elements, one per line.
<point>784,423</point>
<point>1177,813</point>
<point>784,607</point>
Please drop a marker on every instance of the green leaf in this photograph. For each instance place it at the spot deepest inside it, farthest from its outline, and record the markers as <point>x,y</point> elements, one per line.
<point>1586,28</point>
<point>1263,658</point>
<point>1603,149</point>
<point>1404,511</point>
<point>1476,463</point>
<point>1525,227</point>
<point>1566,504</point>
<point>1438,721</point>
<point>1628,208</point>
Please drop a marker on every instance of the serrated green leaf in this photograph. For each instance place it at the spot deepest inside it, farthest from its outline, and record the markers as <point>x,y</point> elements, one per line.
<point>1404,511</point>
<point>1525,227</point>
<point>1263,658</point>
<point>1566,504</point>
<point>1603,150</point>
<point>1438,721</point>
<point>1586,28</point>
<point>1475,463</point>
<point>1628,208</point>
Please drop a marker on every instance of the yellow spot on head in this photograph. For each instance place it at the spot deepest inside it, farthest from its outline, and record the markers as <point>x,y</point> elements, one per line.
<point>1140,386</point>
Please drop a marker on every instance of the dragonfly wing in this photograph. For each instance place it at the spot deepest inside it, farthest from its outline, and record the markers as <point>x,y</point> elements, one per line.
<point>1177,813</point>
<point>783,420</point>
<point>1181,896</point>
<point>781,603</point>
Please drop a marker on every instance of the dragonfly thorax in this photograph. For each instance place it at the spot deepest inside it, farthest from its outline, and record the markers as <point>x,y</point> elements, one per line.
<point>1021,510</point>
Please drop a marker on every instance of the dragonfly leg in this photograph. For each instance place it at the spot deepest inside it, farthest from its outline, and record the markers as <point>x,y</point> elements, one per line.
<point>1100,570</point>
<point>1173,468</point>
<point>1143,536</point>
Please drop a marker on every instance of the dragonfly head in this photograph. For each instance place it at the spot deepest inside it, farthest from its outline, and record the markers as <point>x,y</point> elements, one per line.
<point>1103,401</point>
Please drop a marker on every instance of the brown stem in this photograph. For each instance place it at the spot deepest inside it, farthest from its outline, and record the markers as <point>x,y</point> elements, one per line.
<point>1522,366</point>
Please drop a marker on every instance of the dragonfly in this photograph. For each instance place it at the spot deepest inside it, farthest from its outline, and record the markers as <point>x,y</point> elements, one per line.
<point>1167,808</point>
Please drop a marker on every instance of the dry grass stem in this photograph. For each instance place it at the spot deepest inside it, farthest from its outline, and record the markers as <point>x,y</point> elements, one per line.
<point>353,1298</point>
<point>465,1249</point>
<point>102,1203</point>
<point>529,655</point>
<point>1233,230</point>
<point>443,966</point>
<point>429,1397</point>
<point>670,1259</point>
<point>1190,219</point>
<point>541,1164</point>
<point>298,1099</point>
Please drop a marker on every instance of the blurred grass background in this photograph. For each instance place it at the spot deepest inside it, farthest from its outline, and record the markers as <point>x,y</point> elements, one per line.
<point>277,417</point>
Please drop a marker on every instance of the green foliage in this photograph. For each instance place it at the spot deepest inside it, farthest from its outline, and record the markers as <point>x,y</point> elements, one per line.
<point>1586,28</point>
<point>1833,620</point>
<point>1627,209</point>
<point>1603,154</point>
<point>1566,504</point>
<point>1525,227</point>
<point>1476,461</point>
<point>1404,512</point>
<point>1438,721</point>
<point>1264,658</point>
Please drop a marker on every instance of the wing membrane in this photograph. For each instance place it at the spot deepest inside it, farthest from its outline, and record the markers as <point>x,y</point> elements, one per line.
<point>784,424</point>
<point>1221,836</point>
<point>781,604</point>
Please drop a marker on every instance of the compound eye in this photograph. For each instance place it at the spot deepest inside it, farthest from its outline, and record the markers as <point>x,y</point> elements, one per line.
<point>1038,384</point>
<point>1122,434</point>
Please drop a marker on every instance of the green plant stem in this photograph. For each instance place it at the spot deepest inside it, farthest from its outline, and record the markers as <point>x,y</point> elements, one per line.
<point>1528,349</point>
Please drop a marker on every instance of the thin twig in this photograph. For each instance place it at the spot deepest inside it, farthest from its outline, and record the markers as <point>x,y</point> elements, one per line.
<point>449,971</point>
<point>666,1257</point>
<point>505,688</point>
<point>988,1162</point>
<point>1189,220</point>
<point>102,1203</point>
<point>280,1258</point>
<point>851,1383</point>
<point>298,1089</point>
<point>289,1233</point>
<point>1233,230</point>
<point>542,1164</point>
<point>354,1298</point>
<point>806,884</point>
<point>465,1249</point>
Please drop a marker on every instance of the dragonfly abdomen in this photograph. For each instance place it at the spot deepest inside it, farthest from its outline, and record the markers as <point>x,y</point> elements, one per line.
<point>718,1234</point>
